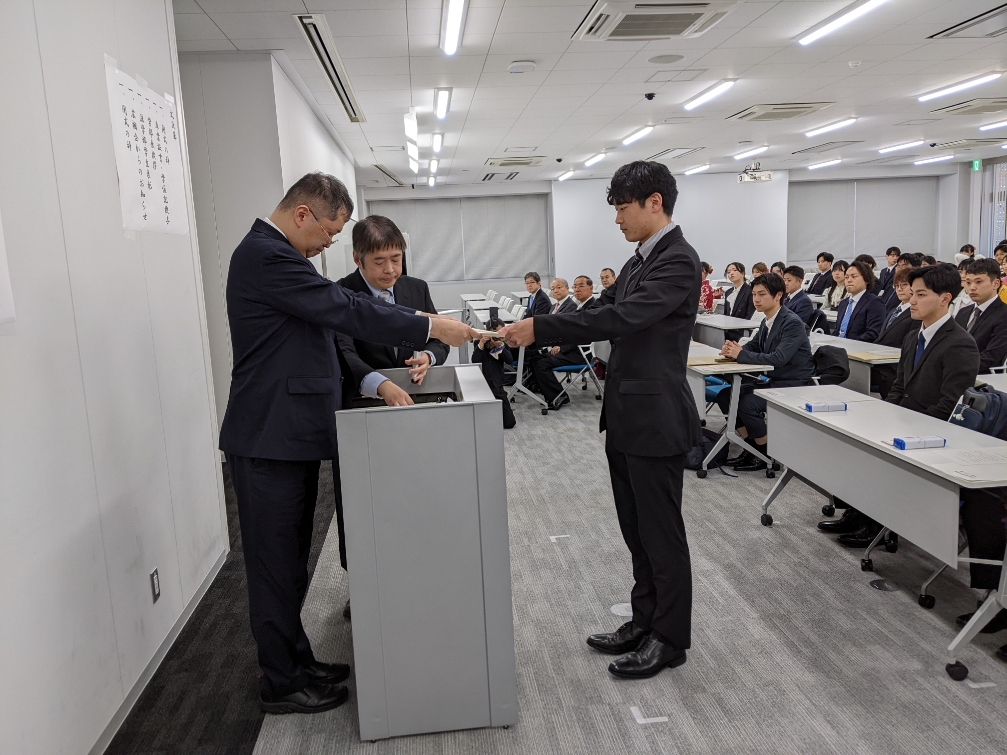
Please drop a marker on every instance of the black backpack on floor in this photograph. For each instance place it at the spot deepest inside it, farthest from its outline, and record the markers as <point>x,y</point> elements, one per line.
<point>694,459</point>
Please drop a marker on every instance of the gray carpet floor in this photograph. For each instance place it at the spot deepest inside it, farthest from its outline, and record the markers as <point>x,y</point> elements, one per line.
<point>793,650</point>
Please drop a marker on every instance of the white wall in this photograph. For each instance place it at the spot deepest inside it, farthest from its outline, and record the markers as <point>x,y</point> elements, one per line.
<point>722,219</point>
<point>107,427</point>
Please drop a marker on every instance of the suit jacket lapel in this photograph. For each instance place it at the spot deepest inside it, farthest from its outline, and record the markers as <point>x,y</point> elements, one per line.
<point>939,336</point>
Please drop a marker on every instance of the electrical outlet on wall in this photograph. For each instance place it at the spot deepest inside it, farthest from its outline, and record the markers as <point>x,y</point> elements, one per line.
<point>155,585</point>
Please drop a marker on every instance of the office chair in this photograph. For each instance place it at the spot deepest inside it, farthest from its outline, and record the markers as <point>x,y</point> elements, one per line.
<point>819,323</point>
<point>573,371</point>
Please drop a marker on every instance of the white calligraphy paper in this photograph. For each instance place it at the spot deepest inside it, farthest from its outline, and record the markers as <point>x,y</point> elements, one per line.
<point>148,155</point>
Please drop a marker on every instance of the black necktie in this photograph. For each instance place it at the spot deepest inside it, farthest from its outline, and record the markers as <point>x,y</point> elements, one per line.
<point>973,318</point>
<point>633,270</point>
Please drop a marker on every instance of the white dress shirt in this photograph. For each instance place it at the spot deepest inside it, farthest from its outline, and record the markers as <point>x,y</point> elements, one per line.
<point>928,333</point>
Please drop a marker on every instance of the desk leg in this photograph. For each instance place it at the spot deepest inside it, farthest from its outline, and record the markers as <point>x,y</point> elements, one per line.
<point>866,564</point>
<point>730,435</point>
<point>788,475</point>
<point>990,608</point>
<point>519,383</point>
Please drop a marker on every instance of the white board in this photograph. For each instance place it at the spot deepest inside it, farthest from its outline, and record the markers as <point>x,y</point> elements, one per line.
<point>6,293</point>
<point>148,155</point>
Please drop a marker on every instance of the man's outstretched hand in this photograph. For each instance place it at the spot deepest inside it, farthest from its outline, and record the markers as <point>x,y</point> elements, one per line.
<point>521,333</point>
<point>451,331</point>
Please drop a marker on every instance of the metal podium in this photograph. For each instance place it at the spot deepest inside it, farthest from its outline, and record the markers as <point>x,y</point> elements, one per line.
<point>425,509</point>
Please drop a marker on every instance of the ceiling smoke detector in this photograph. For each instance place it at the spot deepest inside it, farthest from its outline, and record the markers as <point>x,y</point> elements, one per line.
<point>611,20</point>
<point>521,66</point>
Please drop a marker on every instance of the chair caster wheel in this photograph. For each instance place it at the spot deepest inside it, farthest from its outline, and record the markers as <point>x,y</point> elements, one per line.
<point>776,466</point>
<point>828,510</point>
<point>545,411</point>
<point>767,520</point>
<point>927,601</point>
<point>866,564</point>
<point>892,546</point>
<point>597,398</point>
<point>770,474</point>
<point>957,671</point>
<point>701,473</point>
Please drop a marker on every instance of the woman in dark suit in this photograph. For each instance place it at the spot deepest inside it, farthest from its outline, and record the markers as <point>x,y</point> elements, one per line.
<point>737,302</point>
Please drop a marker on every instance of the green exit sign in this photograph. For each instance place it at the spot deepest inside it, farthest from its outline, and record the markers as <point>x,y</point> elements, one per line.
<point>976,164</point>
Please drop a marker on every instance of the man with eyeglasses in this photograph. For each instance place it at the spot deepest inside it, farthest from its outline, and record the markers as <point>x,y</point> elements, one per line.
<point>280,419</point>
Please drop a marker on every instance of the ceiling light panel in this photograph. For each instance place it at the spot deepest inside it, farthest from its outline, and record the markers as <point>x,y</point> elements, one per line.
<point>837,21</point>
<point>637,135</point>
<point>967,84</point>
<point>991,126</point>
<point>453,14</point>
<point>565,176</point>
<point>437,142</point>
<point>831,127</point>
<point>940,159</point>
<point>442,102</point>
<point>907,145</point>
<point>698,169</point>
<point>412,151</point>
<point>751,153</point>
<point>434,164</point>
<point>594,160</point>
<point>715,91</point>
<point>826,164</point>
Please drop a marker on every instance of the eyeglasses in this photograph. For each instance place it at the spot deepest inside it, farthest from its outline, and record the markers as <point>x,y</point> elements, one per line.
<point>332,237</point>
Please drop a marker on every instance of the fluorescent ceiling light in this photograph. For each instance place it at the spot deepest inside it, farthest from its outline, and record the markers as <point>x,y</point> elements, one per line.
<point>845,16</point>
<point>990,126</point>
<point>907,145</point>
<point>442,100</point>
<point>592,160</point>
<point>565,176</point>
<point>940,159</point>
<point>826,164</point>
<point>959,87</point>
<point>453,21</point>
<point>756,151</point>
<point>414,166</point>
<point>637,135</point>
<point>438,142</point>
<point>831,127</point>
<point>434,164</point>
<point>412,151</point>
<point>699,169</point>
<point>710,93</point>
<point>409,120</point>
<point>431,181</point>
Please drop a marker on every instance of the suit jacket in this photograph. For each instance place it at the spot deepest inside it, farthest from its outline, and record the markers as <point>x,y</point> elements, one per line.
<point>538,304</point>
<point>989,332</point>
<point>363,357</point>
<point>285,383</point>
<point>890,299</point>
<point>894,333</point>
<point>743,305</point>
<point>570,353</point>
<point>819,283</point>
<point>648,409</point>
<point>867,320</point>
<point>885,279</point>
<point>948,366</point>
<point>799,303</point>
<point>786,347</point>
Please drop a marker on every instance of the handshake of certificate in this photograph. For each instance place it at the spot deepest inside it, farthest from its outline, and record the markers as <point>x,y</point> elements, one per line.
<point>447,329</point>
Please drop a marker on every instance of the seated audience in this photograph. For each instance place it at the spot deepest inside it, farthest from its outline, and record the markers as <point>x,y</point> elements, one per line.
<point>985,318</point>
<point>737,301</point>
<point>962,300</point>
<point>823,278</point>
<point>836,291</point>
<point>607,277</point>
<point>796,300</point>
<point>929,259</point>
<point>938,363</point>
<point>966,254</point>
<point>563,302</point>
<point>898,324</point>
<point>782,341</point>
<point>862,315</point>
<point>869,260</point>
<point>538,301</point>
<point>1000,255</point>
<point>909,259</point>
<point>492,355</point>
<point>542,363</point>
<point>778,268</point>
<point>583,293</point>
<point>759,268</point>
<point>886,275</point>
<point>706,290</point>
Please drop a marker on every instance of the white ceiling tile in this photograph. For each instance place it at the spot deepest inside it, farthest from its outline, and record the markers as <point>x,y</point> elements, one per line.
<point>251,6</point>
<point>445,64</point>
<point>529,43</point>
<point>376,66</point>
<point>424,20</point>
<point>379,83</point>
<point>205,45</point>
<point>256,25</point>
<point>196,26</point>
<point>525,80</point>
<point>367,23</point>
<point>185,6</point>
<point>481,20</point>
<point>580,61</point>
<point>371,47</point>
<point>271,43</point>
<point>549,18</point>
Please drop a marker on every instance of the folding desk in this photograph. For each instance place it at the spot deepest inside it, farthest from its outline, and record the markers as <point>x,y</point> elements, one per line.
<point>710,329</point>
<point>862,355</point>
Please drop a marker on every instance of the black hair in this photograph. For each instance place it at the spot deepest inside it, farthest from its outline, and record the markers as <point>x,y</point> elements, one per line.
<point>323,194</point>
<point>866,272</point>
<point>988,267</point>
<point>638,181</point>
<point>837,265</point>
<point>589,281</point>
<point>1001,247</point>
<point>741,267</point>
<point>827,256</point>
<point>609,269</point>
<point>929,259</point>
<point>967,249</point>
<point>534,276</point>
<point>866,258</point>
<point>773,283</point>
<point>914,260</point>
<point>781,265</point>
<point>796,271</point>
<point>942,278</point>
<point>963,266</point>
<point>893,250</point>
<point>494,323</point>
<point>376,232</point>
<point>707,267</point>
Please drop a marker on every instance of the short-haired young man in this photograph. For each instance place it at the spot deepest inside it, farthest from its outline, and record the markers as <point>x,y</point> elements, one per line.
<point>538,300</point>
<point>897,326</point>
<point>909,259</point>
<point>782,341</point>
<point>885,276</point>
<point>823,278</point>
<point>986,318</point>
<point>796,300</point>
<point>649,411</point>
<point>861,315</point>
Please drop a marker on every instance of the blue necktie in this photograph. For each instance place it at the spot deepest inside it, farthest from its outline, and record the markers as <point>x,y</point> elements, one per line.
<point>846,320</point>
<point>895,315</point>
<point>920,346</point>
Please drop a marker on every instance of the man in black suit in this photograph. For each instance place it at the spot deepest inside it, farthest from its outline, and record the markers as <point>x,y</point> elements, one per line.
<point>607,277</point>
<point>986,318</point>
<point>939,361</point>
<point>583,297</point>
<point>796,300</point>
<point>886,277</point>
<point>823,278</point>
<point>738,300</point>
<point>649,412</point>
<point>538,302</point>
<point>280,418</point>
<point>897,326</point>
<point>782,341</point>
<point>861,315</point>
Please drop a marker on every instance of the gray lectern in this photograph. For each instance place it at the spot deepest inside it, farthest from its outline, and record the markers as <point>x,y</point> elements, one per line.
<point>425,508</point>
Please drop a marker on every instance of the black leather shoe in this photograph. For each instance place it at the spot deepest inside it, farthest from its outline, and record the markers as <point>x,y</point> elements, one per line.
<point>327,673</point>
<point>997,624</point>
<point>862,537</point>
<point>851,521</point>
<point>314,698</point>
<point>559,403</point>
<point>346,611</point>
<point>1002,653</point>
<point>650,659</point>
<point>752,464</point>
<point>740,457</point>
<point>625,639</point>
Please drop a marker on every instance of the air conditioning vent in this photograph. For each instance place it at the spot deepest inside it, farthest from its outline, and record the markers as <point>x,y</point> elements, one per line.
<point>617,20</point>
<point>969,143</point>
<point>918,122</point>
<point>316,30</point>
<point>778,112</point>
<point>388,148</point>
<point>890,159</point>
<point>389,175</point>
<point>825,147</point>
<point>500,176</point>
<point>988,25</point>
<point>979,106</point>
<point>687,74</point>
<point>673,153</point>
<point>515,162</point>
